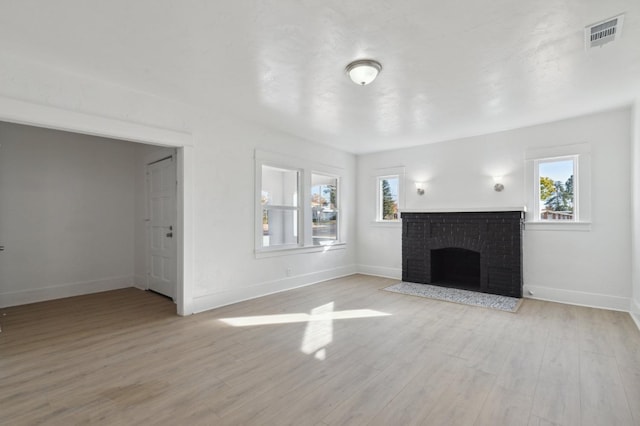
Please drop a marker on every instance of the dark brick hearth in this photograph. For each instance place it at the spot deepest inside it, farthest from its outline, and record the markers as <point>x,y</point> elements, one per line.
<point>480,251</point>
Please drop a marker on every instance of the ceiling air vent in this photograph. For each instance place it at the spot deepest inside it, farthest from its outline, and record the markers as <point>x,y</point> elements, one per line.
<point>601,33</point>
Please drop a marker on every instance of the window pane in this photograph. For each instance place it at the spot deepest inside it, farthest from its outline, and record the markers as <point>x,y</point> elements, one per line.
<point>388,198</point>
<point>279,186</point>
<point>324,213</point>
<point>279,227</point>
<point>557,189</point>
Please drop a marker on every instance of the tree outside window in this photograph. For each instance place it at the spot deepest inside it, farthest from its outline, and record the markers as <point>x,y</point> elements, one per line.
<point>388,198</point>
<point>557,199</point>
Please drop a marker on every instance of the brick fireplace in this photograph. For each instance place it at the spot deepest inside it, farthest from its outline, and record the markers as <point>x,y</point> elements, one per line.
<point>480,251</point>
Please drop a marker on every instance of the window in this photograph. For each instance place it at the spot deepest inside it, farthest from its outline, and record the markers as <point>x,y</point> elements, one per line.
<point>280,209</point>
<point>388,198</point>
<point>297,205</point>
<point>324,209</point>
<point>557,189</point>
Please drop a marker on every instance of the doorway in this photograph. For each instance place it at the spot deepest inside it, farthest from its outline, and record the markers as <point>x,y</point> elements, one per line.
<point>35,114</point>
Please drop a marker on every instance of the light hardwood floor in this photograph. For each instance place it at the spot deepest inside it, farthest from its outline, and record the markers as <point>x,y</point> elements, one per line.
<point>340,352</point>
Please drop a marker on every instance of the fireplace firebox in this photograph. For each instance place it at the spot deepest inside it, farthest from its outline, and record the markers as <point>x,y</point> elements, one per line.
<point>479,251</point>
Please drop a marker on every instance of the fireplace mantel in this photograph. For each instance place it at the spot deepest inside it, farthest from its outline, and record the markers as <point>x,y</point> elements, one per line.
<point>465,209</point>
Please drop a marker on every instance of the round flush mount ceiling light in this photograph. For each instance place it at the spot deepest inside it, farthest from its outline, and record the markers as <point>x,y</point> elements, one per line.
<point>364,71</point>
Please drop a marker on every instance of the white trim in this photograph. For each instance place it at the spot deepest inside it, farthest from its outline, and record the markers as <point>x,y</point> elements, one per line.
<point>466,209</point>
<point>380,271</point>
<point>558,226</point>
<point>386,172</point>
<point>387,223</point>
<point>289,161</point>
<point>297,209</point>
<point>32,114</point>
<point>29,113</point>
<point>581,154</point>
<point>338,208</point>
<point>635,312</point>
<point>575,160</point>
<point>580,298</point>
<point>636,319</point>
<point>23,297</point>
<point>305,169</point>
<point>240,294</point>
<point>379,208</point>
<point>558,151</point>
<point>280,251</point>
<point>186,239</point>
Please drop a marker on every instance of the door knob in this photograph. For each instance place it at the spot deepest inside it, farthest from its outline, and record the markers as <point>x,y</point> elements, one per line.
<point>170,235</point>
<point>1,248</point>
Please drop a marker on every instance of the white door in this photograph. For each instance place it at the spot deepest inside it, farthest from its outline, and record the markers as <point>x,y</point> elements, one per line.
<point>161,235</point>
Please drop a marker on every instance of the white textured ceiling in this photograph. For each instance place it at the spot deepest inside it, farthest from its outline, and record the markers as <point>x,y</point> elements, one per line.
<point>450,68</point>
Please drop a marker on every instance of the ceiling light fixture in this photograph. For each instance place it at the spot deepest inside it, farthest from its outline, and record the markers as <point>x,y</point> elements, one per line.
<point>363,71</point>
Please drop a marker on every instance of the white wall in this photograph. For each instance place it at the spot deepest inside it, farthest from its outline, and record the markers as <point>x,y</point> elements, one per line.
<point>590,268</point>
<point>218,265</point>
<point>635,214</point>
<point>227,269</point>
<point>66,214</point>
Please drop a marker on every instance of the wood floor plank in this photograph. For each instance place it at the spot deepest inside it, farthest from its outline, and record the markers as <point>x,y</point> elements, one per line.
<point>603,398</point>
<point>363,405</point>
<point>521,369</point>
<point>416,400</point>
<point>557,402</point>
<point>463,399</point>
<point>124,357</point>
<point>631,381</point>
<point>505,407</point>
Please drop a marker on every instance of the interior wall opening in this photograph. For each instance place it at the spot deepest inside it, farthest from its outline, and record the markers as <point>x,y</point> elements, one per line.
<point>73,214</point>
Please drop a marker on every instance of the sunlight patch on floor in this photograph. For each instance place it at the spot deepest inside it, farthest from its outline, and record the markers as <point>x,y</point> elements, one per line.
<point>318,334</point>
<point>301,317</point>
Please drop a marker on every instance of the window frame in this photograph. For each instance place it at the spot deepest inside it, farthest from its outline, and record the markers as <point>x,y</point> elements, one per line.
<point>305,169</point>
<point>376,195</point>
<point>379,208</point>
<point>537,206</point>
<point>337,209</point>
<point>581,153</point>
<point>296,209</point>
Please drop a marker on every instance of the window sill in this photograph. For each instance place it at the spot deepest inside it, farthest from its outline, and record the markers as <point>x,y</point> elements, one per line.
<point>387,223</point>
<point>557,226</point>
<point>275,252</point>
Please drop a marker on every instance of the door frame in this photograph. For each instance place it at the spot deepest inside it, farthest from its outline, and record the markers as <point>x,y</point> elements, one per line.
<point>32,114</point>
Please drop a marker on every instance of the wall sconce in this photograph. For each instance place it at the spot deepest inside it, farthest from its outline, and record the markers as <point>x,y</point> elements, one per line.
<point>498,186</point>
<point>420,188</point>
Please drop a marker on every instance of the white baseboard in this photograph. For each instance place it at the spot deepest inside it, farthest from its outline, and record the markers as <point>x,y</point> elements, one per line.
<point>580,298</point>
<point>65,290</point>
<point>380,271</point>
<point>229,296</point>
<point>635,312</point>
